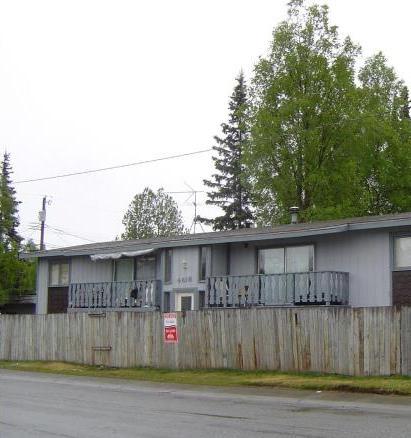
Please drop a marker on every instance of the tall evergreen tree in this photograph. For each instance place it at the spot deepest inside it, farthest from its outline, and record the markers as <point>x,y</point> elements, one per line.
<point>16,275</point>
<point>9,220</point>
<point>230,192</point>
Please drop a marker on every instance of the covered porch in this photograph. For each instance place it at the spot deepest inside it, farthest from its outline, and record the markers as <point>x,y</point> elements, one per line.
<point>287,289</point>
<point>135,295</point>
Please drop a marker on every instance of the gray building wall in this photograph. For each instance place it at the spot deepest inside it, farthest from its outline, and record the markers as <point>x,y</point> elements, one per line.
<point>84,270</point>
<point>243,259</point>
<point>41,286</point>
<point>219,260</point>
<point>185,268</point>
<point>367,257</point>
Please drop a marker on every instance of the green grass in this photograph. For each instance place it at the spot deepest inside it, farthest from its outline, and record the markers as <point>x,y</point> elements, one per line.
<point>314,381</point>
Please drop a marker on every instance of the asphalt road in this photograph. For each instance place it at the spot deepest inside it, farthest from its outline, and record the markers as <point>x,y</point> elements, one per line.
<point>39,405</point>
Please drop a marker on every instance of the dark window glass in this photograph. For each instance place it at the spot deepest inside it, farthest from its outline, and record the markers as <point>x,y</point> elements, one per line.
<point>186,303</point>
<point>201,299</point>
<point>203,263</point>
<point>168,265</point>
<point>166,302</point>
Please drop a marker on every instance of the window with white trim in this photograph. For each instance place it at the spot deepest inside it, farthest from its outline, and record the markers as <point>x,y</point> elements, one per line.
<point>402,252</point>
<point>286,259</point>
<point>59,274</point>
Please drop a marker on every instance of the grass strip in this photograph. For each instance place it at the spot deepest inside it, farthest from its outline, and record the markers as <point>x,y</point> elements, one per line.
<point>400,385</point>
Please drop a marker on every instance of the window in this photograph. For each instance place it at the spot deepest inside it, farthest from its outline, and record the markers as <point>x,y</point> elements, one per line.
<point>166,302</point>
<point>288,259</point>
<point>203,263</point>
<point>184,301</point>
<point>146,268</point>
<point>201,299</point>
<point>271,261</point>
<point>402,252</point>
<point>59,274</point>
<point>299,258</point>
<point>124,270</point>
<point>168,265</point>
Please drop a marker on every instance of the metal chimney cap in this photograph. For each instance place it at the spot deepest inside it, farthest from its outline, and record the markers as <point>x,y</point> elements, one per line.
<point>294,214</point>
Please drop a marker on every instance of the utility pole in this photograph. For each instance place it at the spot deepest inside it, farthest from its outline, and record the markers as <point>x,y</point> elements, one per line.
<point>42,219</point>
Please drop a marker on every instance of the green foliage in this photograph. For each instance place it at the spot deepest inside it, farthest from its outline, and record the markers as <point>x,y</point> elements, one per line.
<point>322,139</point>
<point>9,221</point>
<point>385,139</point>
<point>230,191</point>
<point>16,276</point>
<point>152,214</point>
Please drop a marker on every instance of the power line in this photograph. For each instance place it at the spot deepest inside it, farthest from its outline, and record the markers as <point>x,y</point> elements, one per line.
<point>62,232</point>
<point>58,230</point>
<point>120,166</point>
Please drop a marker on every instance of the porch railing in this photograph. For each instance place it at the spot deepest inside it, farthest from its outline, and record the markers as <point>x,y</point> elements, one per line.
<point>118,294</point>
<point>320,288</point>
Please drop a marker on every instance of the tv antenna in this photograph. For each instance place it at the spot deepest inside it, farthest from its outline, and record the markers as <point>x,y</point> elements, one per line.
<point>193,194</point>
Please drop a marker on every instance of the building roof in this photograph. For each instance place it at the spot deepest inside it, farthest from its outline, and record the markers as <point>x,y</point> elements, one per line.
<point>287,231</point>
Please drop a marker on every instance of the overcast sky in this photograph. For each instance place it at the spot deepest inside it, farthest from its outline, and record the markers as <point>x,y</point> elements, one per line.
<point>88,84</point>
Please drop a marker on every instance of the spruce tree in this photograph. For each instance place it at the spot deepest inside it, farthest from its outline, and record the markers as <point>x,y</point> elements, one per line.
<point>229,191</point>
<point>14,273</point>
<point>9,220</point>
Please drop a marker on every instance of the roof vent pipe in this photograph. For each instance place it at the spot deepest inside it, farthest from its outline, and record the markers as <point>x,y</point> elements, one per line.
<point>294,214</point>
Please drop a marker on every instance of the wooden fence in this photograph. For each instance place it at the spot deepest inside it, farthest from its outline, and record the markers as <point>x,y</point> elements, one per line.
<point>355,341</point>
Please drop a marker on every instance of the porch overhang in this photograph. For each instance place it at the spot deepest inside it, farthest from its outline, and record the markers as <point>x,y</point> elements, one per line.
<point>118,255</point>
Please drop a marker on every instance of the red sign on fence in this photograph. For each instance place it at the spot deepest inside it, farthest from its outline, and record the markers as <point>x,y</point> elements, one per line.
<point>170,327</point>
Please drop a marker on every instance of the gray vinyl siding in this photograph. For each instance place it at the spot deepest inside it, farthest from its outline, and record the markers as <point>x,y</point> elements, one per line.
<point>84,270</point>
<point>242,259</point>
<point>366,256</point>
<point>185,277</point>
<point>219,259</point>
<point>42,285</point>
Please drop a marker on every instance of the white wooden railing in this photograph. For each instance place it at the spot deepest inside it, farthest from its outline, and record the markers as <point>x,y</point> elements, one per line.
<point>317,288</point>
<point>116,294</point>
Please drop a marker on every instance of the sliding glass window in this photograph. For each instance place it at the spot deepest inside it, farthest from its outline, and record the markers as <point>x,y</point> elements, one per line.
<point>124,270</point>
<point>286,259</point>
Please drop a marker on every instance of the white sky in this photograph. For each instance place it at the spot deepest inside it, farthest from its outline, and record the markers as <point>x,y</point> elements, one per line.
<point>88,84</point>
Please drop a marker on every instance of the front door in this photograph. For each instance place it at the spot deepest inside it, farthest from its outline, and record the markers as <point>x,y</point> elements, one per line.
<point>57,300</point>
<point>184,301</point>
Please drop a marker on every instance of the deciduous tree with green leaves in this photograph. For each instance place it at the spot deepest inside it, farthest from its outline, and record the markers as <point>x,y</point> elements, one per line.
<point>385,138</point>
<point>229,188</point>
<point>322,139</point>
<point>152,214</point>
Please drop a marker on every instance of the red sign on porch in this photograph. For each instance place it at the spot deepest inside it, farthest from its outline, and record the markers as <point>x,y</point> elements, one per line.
<point>170,327</point>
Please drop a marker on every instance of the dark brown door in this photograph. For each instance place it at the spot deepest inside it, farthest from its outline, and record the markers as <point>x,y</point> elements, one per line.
<point>58,300</point>
<point>401,288</point>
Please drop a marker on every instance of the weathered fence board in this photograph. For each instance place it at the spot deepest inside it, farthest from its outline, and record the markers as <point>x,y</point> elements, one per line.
<point>355,341</point>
